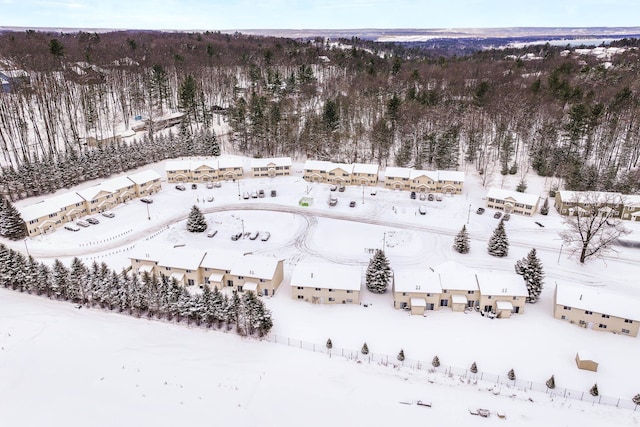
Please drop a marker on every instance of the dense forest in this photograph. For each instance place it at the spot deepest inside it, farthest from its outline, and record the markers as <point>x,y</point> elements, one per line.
<point>540,109</point>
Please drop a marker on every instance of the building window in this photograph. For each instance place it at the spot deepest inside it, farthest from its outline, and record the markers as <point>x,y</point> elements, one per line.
<point>332,299</point>
<point>515,298</point>
<point>628,321</point>
<point>567,308</point>
<point>349,291</point>
<point>300,297</point>
<point>605,316</point>
<point>318,289</point>
<point>602,326</point>
<point>588,312</point>
<point>300,287</point>
<point>350,300</point>
<point>332,290</point>
<point>563,317</point>
<point>489,297</point>
<point>625,331</point>
<point>470,292</point>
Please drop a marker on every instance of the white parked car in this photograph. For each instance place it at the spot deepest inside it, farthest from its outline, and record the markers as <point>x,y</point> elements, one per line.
<point>108,214</point>
<point>82,223</point>
<point>212,233</point>
<point>72,227</point>
<point>254,235</point>
<point>264,236</point>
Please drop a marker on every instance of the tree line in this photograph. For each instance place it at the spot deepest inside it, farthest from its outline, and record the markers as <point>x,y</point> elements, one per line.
<point>134,294</point>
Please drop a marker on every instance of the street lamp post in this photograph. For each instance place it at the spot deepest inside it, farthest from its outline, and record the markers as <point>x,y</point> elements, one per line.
<point>148,214</point>
<point>469,214</point>
<point>25,246</point>
<point>363,193</point>
<point>242,221</point>
<point>238,189</point>
<point>560,253</point>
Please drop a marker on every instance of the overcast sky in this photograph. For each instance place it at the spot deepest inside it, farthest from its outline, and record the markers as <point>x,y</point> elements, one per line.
<point>317,14</point>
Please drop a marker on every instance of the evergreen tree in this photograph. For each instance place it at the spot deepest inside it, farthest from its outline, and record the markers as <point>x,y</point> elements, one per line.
<point>461,241</point>
<point>196,222</point>
<point>365,349</point>
<point>530,268</point>
<point>522,186</point>
<point>329,344</point>
<point>511,375</point>
<point>544,210</point>
<point>400,356</point>
<point>498,243</point>
<point>594,390</point>
<point>378,273</point>
<point>636,399</point>
<point>435,362</point>
<point>551,383</point>
<point>12,226</point>
<point>474,368</point>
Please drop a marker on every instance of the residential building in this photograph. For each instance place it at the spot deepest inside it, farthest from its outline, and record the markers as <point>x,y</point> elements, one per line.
<point>41,218</point>
<point>255,273</point>
<point>146,182</point>
<point>339,173</point>
<point>230,169</point>
<point>586,202</point>
<point>271,167</point>
<point>512,202</point>
<point>459,286</point>
<point>597,308</point>
<point>416,290</point>
<point>315,170</point>
<point>631,208</point>
<point>323,283</point>
<point>180,264</point>
<point>397,178</point>
<point>122,188</point>
<point>501,293</point>
<point>365,174</point>
<point>216,265</point>
<point>450,182</point>
<point>204,170</point>
<point>98,198</point>
<point>422,181</point>
<point>178,170</point>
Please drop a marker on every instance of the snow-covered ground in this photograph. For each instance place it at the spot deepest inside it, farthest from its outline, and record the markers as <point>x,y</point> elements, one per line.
<point>154,372</point>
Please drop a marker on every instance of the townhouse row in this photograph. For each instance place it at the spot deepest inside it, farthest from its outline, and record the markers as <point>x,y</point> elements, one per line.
<point>47,215</point>
<point>225,169</point>
<point>512,202</point>
<point>617,205</point>
<point>213,267</point>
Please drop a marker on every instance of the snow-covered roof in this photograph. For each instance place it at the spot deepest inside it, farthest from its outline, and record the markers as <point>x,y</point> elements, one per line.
<point>177,165</point>
<point>184,258</point>
<point>346,167</point>
<point>365,168</point>
<point>498,283</point>
<point>598,300</point>
<point>277,161</point>
<point>451,176</point>
<point>502,194</point>
<point>116,184</point>
<point>250,286</point>
<point>65,199</point>
<point>146,252</point>
<point>230,162</point>
<point>92,193</point>
<point>256,266</point>
<point>144,176</point>
<point>219,259</point>
<point>591,196</point>
<point>394,172</point>
<point>417,173</point>
<point>456,277</point>
<point>177,276</point>
<point>37,210</point>
<point>326,276</point>
<point>216,277</point>
<point>316,165</point>
<point>632,200</point>
<point>418,302</point>
<point>197,164</point>
<point>504,305</point>
<point>146,268</point>
<point>459,299</point>
<point>417,281</point>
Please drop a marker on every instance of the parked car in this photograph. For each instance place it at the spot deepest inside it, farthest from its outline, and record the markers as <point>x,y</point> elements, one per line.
<point>245,195</point>
<point>341,189</point>
<point>439,197</point>
<point>273,193</point>
<point>352,204</point>
<point>539,224</point>
<point>480,211</point>
<point>422,210</point>
<point>93,221</point>
<point>217,184</point>
<point>497,215</point>
<point>72,227</point>
<point>82,223</point>
<point>146,200</point>
<point>261,193</point>
<point>209,185</point>
<point>506,217</point>
<point>333,187</point>
<point>333,201</point>
<point>423,196</point>
<point>194,186</point>
<point>212,233</point>
<point>254,194</point>
<point>430,197</point>
<point>210,199</point>
<point>264,236</point>
<point>180,187</point>
<point>374,191</point>
<point>413,195</point>
<point>236,236</point>
<point>254,235</point>
<point>108,214</point>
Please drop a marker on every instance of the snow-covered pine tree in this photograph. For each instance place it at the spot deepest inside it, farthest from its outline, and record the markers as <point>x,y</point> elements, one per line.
<point>378,273</point>
<point>79,278</point>
<point>551,383</point>
<point>499,243</point>
<point>530,268</point>
<point>461,241</point>
<point>544,210</point>
<point>511,375</point>
<point>435,362</point>
<point>400,356</point>
<point>329,344</point>
<point>474,368</point>
<point>594,390</point>
<point>636,399</point>
<point>60,280</point>
<point>11,224</point>
<point>522,186</point>
<point>365,349</point>
<point>196,222</point>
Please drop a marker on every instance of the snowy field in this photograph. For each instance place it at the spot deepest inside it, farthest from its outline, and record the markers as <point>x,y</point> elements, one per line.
<point>153,372</point>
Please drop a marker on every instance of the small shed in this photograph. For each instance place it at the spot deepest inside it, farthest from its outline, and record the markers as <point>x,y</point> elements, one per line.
<point>306,201</point>
<point>418,306</point>
<point>586,362</point>
<point>504,309</point>
<point>458,302</point>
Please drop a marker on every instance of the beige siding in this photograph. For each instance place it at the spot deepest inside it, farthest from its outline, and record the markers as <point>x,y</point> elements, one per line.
<point>596,321</point>
<point>325,295</point>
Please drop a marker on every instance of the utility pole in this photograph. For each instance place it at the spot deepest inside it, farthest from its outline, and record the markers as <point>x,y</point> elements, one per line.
<point>469,214</point>
<point>25,246</point>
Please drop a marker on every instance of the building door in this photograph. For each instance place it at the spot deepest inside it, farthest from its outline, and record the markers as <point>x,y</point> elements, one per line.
<point>229,282</point>
<point>266,292</point>
<point>444,302</point>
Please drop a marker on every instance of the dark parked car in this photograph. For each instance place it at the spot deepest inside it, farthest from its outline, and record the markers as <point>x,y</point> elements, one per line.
<point>430,197</point>
<point>341,188</point>
<point>180,187</point>
<point>261,194</point>
<point>480,211</point>
<point>146,200</point>
<point>236,236</point>
<point>497,215</point>
<point>273,193</point>
<point>539,224</point>
<point>93,221</point>
<point>352,204</point>
<point>194,186</point>
<point>506,217</point>
<point>413,195</point>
